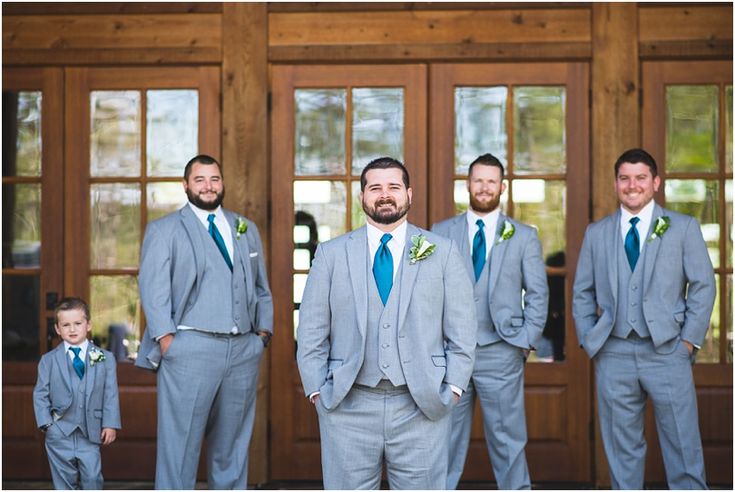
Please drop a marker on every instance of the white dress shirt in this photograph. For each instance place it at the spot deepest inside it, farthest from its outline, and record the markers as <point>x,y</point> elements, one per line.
<point>646,216</point>
<point>82,353</point>
<point>491,224</point>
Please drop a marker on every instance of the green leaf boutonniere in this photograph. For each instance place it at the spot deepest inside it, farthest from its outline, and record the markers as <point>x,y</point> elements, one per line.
<point>508,231</point>
<point>421,248</point>
<point>662,225</point>
<point>241,227</point>
<point>95,356</point>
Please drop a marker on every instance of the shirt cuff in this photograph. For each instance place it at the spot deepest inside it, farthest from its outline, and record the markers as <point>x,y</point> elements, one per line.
<point>313,395</point>
<point>457,391</point>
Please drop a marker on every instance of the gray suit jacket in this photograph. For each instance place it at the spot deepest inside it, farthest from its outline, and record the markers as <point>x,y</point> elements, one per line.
<point>516,264</point>
<point>436,331</point>
<point>678,282</point>
<point>53,392</point>
<point>172,260</point>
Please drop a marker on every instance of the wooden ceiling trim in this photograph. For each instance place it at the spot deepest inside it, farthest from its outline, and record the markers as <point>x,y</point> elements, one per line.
<point>687,23</point>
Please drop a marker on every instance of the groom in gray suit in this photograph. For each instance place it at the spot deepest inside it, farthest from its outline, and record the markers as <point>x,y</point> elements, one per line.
<point>385,342</point>
<point>643,296</point>
<point>503,259</point>
<point>209,315</point>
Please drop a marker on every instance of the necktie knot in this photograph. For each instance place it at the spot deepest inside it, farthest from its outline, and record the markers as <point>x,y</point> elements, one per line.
<point>210,218</point>
<point>386,237</point>
<point>76,350</point>
<point>634,221</point>
<point>480,224</point>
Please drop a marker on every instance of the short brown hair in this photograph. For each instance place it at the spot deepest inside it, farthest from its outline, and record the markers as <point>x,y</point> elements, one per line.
<point>205,159</point>
<point>70,304</point>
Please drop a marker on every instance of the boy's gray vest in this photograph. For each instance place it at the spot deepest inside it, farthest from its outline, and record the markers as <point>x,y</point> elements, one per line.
<point>382,360</point>
<point>629,315</point>
<point>217,291</point>
<point>76,415</point>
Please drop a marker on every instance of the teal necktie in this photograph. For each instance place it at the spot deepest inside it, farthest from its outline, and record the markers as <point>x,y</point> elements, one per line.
<point>214,232</point>
<point>383,268</point>
<point>633,243</point>
<point>479,252</point>
<point>77,362</point>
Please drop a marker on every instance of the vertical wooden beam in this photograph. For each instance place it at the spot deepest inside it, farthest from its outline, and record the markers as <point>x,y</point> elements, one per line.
<point>615,96</point>
<point>245,158</point>
<point>615,125</point>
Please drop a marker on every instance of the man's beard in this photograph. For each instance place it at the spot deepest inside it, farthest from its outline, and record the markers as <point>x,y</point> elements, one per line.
<point>484,207</point>
<point>388,217</point>
<point>195,200</point>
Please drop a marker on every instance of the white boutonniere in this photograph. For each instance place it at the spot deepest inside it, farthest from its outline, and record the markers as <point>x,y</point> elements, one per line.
<point>508,231</point>
<point>96,356</point>
<point>662,225</point>
<point>241,227</point>
<point>421,248</point>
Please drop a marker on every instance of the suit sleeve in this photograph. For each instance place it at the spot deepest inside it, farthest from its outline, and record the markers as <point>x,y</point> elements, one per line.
<point>701,290</point>
<point>154,281</point>
<point>315,325</point>
<point>41,394</point>
<point>460,321</point>
<point>536,285</point>
<point>584,304</point>
<point>111,400</point>
<point>264,316</point>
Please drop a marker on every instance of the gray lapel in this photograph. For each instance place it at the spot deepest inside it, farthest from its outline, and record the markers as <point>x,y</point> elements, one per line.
<point>90,372</point>
<point>497,252</point>
<point>241,248</point>
<point>408,275</point>
<point>61,359</point>
<point>613,237</point>
<point>357,261</point>
<point>191,222</point>
<point>459,233</point>
<point>651,248</point>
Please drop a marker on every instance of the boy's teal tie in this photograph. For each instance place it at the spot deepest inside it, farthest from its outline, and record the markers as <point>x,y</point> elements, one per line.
<point>214,232</point>
<point>77,362</point>
<point>632,243</point>
<point>479,252</point>
<point>383,268</point>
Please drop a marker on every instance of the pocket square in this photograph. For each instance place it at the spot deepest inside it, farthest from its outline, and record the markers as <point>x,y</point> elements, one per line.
<point>253,255</point>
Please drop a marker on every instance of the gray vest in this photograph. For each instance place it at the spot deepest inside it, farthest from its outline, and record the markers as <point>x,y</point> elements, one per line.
<point>382,360</point>
<point>217,290</point>
<point>629,315</point>
<point>76,415</point>
<point>486,333</point>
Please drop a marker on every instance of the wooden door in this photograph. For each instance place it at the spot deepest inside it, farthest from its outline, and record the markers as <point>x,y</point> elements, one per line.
<point>687,127</point>
<point>32,252</point>
<point>130,131</point>
<point>328,123</point>
<point>535,118</point>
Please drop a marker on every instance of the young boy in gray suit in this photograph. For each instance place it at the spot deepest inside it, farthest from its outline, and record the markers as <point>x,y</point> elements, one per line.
<point>76,400</point>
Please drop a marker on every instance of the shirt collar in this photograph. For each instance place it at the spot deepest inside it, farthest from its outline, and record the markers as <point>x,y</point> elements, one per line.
<point>84,345</point>
<point>646,214</point>
<point>203,214</point>
<point>490,220</point>
<point>374,234</point>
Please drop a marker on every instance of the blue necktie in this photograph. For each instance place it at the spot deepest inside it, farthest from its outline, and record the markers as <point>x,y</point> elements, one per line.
<point>77,362</point>
<point>478,249</point>
<point>633,243</point>
<point>383,268</point>
<point>214,232</point>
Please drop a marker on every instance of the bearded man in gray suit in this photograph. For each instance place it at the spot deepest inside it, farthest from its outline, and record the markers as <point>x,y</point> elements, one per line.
<point>209,315</point>
<point>385,342</point>
<point>503,259</point>
<point>643,296</point>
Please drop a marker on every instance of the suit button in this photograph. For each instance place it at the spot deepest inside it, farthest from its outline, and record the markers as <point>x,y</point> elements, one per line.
<point>635,287</point>
<point>385,345</point>
<point>386,325</point>
<point>633,303</point>
<point>634,321</point>
<point>385,366</point>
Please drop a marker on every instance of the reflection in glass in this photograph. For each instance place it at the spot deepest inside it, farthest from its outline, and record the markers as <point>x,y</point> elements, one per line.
<point>325,202</point>
<point>21,225</point>
<point>728,137</point>
<point>299,284</point>
<point>700,199</point>
<point>728,221</point>
<point>306,239</point>
<point>172,124</point>
<point>462,197</point>
<point>21,305</point>
<point>357,214</point>
<point>539,130</point>
<point>551,346</point>
<point>22,133</point>
<point>377,125</point>
<point>692,123</point>
<point>320,131</point>
<point>115,308</point>
<point>164,198</point>
<point>479,125</point>
<point>115,133</point>
<point>115,220</point>
<point>542,204</point>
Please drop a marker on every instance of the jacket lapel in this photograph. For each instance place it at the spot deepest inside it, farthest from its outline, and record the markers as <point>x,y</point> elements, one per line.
<point>497,252</point>
<point>408,275</point>
<point>357,259</point>
<point>614,238</point>
<point>60,358</point>
<point>90,372</point>
<point>191,222</point>
<point>459,233</point>
<point>651,248</point>
<point>241,249</point>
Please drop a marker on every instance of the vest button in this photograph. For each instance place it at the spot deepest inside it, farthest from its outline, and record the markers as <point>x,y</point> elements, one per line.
<point>385,345</point>
<point>386,325</point>
<point>385,366</point>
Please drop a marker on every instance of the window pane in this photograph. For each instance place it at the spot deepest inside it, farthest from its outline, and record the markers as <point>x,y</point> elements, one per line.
<point>728,320</point>
<point>728,137</point>
<point>164,198</point>
<point>115,223</point>
<point>22,133</point>
<point>700,199</point>
<point>710,351</point>
<point>728,221</point>
<point>172,124</point>
<point>551,346</point>
<point>479,124</point>
<point>21,305</point>
<point>116,314</point>
<point>21,225</point>
<point>377,126</point>
<point>323,204</point>
<point>542,204</point>
<point>299,284</point>
<point>462,197</point>
<point>320,131</point>
<point>539,132</point>
<point>692,115</point>
<point>357,214</point>
<point>115,133</point>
